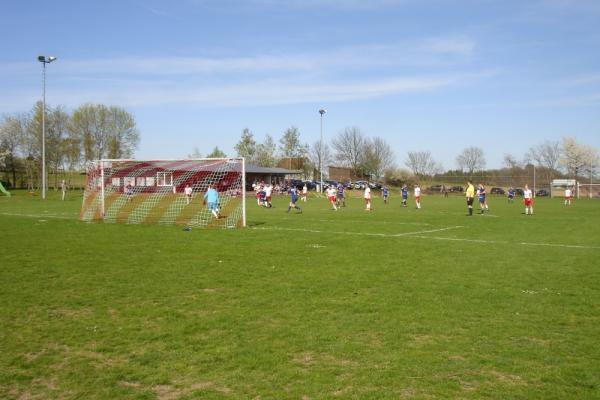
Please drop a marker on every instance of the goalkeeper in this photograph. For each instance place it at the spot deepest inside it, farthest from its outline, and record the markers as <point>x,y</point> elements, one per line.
<point>211,198</point>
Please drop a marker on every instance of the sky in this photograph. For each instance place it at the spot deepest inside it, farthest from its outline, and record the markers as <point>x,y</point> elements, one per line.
<point>436,75</point>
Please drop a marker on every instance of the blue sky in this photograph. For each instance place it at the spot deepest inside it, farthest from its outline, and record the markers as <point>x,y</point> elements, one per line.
<point>436,75</point>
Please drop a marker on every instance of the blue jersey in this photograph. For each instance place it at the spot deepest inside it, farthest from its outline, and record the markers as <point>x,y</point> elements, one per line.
<point>511,193</point>
<point>340,191</point>
<point>385,192</point>
<point>405,193</point>
<point>482,194</point>
<point>211,196</point>
<point>293,195</point>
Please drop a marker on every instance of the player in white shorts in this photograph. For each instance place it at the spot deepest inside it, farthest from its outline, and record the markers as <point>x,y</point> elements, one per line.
<point>304,192</point>
<point>331,192</point>
<point>188,193</point>
<point>367,197</point>
<point>418,195</point>
<point>568,196</point>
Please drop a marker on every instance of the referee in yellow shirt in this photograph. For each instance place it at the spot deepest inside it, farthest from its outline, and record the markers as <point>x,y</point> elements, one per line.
<point>470,193</point>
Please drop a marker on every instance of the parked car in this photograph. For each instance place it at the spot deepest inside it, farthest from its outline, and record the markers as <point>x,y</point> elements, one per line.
<point>348,185</point>
<point>542,193</point>
<point>457,189</point>
<point>518,192</point>
<point>310,185</point>
<point>497,190</point>
<point>360,184</point>
<point>375,185</point>
<point>435,188</point>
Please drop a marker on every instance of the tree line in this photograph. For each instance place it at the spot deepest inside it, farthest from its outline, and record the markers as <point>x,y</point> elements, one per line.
<point>90,132</point>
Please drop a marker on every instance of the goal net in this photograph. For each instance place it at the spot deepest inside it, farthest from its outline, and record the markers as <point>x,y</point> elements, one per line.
<point>166,192</point>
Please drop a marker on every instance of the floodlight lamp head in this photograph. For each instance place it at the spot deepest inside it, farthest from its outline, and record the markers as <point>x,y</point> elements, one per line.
<point>322,111</point>
<point>51,58</point>
<point>41,58</point>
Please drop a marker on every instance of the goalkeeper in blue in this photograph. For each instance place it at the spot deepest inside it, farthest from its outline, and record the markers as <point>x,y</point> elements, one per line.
<point>293,199</point>
<point>211,199</point>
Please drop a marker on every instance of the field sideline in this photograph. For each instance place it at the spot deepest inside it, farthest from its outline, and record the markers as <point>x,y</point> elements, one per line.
<point>395,303</point>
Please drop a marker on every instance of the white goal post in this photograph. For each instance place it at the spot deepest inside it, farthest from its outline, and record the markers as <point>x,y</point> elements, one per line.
<point>166,192</point>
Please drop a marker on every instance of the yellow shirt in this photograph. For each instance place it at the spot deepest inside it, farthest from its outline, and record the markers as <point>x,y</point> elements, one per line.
<point>470,191</point>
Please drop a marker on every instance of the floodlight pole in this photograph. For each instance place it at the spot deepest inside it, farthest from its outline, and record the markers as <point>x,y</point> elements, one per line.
<point>44,61</point>
<point>321,111</point>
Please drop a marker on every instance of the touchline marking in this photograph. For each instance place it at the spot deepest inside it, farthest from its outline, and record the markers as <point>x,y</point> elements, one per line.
<point>569,246</point>
<point>361,233</point>
<point>37,216</point>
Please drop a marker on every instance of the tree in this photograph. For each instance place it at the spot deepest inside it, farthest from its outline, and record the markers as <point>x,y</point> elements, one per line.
<point>123,136</point>
<point>547,155</point>
<point>319,155</point>
<point>266,152</point>
<point>290,144</point>
<point>104,131</point>
<point>56,132</point>
<point>471,159</point>
<point>216,153</point>
<point>12,130</point>
<point>378,157</point>
<point>195,154</point>
<point>577,157</point>
<point>246,147</point>
<point>421,163</point>
<point>349,147</point>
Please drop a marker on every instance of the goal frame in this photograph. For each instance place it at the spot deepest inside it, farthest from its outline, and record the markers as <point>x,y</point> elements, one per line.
<point>102,165</point>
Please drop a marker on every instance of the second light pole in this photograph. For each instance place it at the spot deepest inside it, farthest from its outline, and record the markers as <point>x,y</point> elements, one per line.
<point>44,60</point>
<point>322,111</point>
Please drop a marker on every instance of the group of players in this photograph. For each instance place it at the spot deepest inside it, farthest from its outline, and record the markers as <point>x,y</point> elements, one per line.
<point>336,196</point>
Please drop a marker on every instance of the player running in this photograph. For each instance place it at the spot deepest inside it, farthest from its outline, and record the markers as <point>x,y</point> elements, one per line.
<point>528,199</point>
<point>211,199</point>
<point>511,194</point>
<point>341,196</point>
<point>293,199</point>
<point>418,196</point>
<point>367,197</point>
<point>268,191</point>
<point>470,193</point>
<point>568,196</point>
<point>404,195</point>
<point>304,192</point>
<point>385,193</point>
<point>331,196</point>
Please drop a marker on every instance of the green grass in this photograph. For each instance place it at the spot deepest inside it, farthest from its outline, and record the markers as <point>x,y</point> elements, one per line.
<point>322,304</point>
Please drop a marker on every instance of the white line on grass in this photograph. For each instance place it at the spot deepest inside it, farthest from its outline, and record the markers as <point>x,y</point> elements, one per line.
<point>569,246</point>
<point>38,216</point>
<point>360,233</point>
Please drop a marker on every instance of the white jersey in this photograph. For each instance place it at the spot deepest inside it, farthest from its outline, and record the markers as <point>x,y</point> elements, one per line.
<point>330,192</point>
<point>527,194</point>
<point>417,191</point>
<point>188,191</point>
<point>268,190</point>
<point>568,193</point>
<point>304,189</point>
<point>367,192</point>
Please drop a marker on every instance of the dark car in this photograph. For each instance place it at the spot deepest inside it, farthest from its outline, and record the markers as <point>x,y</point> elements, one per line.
<point>310,185</point>
<point>542,193</point>
<point>457,189</point>
<point>497,190</point>
<point>435,188</point>
<point>518,192</point>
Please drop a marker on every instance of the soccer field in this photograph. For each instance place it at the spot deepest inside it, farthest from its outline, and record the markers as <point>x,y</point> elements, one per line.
<point>395,303</point>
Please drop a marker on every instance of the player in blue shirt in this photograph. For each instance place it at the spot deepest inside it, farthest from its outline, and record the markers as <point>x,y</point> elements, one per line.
<point>293,199</point>
<point>511,194</point>
<point>211,198</point>
<point>404,195</point>
<point>482,203</point>
<point>340,197</point>
<point>384,193</point>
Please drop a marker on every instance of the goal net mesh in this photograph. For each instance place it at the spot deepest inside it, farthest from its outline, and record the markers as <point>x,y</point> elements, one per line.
<point>154,192</point>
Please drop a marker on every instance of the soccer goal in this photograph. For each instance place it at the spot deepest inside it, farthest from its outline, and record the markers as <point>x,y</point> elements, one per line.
<point>589,190</point>
<point>166,192</point>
